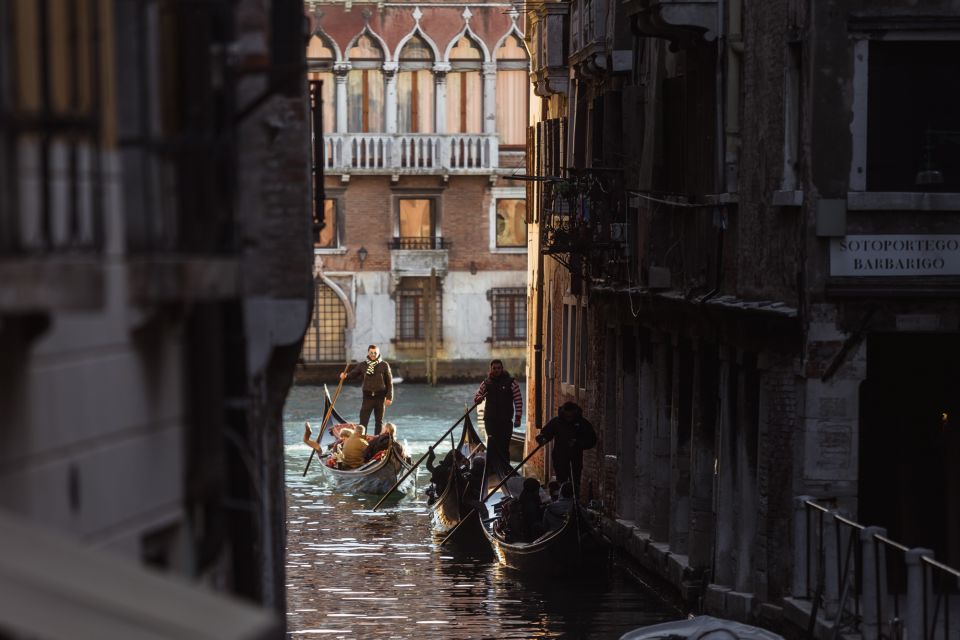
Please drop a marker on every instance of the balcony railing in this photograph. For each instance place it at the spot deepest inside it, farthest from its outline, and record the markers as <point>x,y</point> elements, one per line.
<point>409,152</point>
<point>418,243</point>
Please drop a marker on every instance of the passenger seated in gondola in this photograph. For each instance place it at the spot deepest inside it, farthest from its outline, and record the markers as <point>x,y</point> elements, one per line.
<point>353,448</point>
<point>380,443</point>
<point>440,473</point>
<point>531,509</point>
<point>556,512</point>
<point>473,482</point>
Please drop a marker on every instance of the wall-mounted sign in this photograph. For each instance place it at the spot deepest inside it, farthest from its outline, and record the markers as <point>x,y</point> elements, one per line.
<point>913,255</point>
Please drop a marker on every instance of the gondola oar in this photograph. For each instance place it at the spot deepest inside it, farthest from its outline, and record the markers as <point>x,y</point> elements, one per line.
<point>424,456</point>
<point>326,419</point>
<point>493,491</point>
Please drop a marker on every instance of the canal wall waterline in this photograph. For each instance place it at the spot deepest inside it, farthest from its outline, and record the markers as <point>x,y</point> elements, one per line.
<point>449,371</point>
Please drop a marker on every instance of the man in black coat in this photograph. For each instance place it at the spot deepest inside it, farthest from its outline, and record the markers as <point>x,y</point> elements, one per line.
<point>502,412</point>
<point>377,386</point>
<point>572,434</point>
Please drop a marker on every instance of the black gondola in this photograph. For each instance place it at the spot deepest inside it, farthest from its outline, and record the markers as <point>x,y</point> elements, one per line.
<point>453,503</point>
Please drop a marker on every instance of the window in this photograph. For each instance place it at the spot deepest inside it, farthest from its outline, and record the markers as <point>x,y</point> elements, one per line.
<point>509,321</point>
<point>511,221</point>
<point>513,92</point>
<point>329,236</point>
<point>913,116</point>
<point>320,60</point>
<point>573,365</point>
<point>414,320</point>
<point>465,88</point>
<point>417,224</point>
<point>324,339</point>
<point>415,88</point>
<point>365,87</point>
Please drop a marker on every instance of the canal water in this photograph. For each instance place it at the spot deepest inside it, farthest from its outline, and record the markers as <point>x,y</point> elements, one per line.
<point>356,573</point>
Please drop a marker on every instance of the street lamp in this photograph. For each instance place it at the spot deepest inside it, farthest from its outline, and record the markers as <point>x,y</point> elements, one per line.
<point>361,255</point>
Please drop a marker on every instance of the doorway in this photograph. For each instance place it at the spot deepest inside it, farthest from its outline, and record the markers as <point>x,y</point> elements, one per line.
<point>909,474</point>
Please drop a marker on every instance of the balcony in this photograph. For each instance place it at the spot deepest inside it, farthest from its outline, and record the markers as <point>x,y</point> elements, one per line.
<point>358,153</point>
<point>676,20</point>
<point>418,256</point>
<point>550,37</point>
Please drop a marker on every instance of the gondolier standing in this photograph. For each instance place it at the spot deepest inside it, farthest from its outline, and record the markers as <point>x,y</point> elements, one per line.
<point>503,410</point>
<point>377,386</point>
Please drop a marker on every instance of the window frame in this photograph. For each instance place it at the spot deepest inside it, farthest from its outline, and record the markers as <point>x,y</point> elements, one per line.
<point>435,205</point>
<point>574,344</point>
<point>513,64</point>
<point>503,193</point>
<point>415,287</point>
<point>858,196</point>
<point>341,245</point>
<point>511,294</point>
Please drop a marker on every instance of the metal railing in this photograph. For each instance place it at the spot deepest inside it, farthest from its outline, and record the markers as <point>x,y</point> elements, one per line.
<point>405,242</point>
<point>403,151</point>
<point>860,580</point>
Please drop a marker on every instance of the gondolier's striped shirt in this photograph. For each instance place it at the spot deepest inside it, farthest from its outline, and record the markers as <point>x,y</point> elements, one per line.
<point>517,399</point>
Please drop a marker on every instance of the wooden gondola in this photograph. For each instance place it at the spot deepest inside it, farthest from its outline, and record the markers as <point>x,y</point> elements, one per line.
<point>376,476</point>
<point>560,551</point>
<point>518,440</point>
<point>449,507</point>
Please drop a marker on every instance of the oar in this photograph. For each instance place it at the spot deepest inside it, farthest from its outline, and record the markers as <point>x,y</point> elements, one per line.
<point>424,456</point>
<point>493,491</point>
<point>326,418</point>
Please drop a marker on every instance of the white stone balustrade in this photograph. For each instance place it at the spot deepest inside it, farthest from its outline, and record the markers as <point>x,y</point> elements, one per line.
<point>409,153</point>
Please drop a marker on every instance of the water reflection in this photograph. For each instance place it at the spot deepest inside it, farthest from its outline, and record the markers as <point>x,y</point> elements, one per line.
<point>355,573</point>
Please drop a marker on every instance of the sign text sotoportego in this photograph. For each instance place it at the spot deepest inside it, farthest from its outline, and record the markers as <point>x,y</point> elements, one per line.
<point>912,255</point>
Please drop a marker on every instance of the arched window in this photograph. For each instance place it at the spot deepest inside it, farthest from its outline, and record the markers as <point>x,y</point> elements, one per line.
<point>465,88</point>
<point>513,92</point>
<point>415,88</point>
<point>320,59</point>
<point>365,86</point>
<point>323,341</point>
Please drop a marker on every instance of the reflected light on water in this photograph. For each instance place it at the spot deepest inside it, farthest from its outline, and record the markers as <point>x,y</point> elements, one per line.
<point>357,573</point>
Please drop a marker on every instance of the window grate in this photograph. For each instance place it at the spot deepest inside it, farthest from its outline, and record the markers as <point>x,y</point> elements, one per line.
<point>509,307</point>
<point>324,339</point>
<point>412,321</point>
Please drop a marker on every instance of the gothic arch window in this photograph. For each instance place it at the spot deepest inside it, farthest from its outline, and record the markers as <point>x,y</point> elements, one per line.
<point>324,340</point>
<point>365,86</point>
<point>513,92</point>
<point>415,87</point>
<point>320,59</point>
<point>465,87</point>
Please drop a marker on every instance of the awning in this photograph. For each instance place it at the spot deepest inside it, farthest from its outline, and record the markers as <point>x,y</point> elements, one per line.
<point>54,588</point>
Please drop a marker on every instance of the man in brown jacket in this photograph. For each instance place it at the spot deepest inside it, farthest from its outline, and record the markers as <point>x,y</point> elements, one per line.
<point>377,386</point>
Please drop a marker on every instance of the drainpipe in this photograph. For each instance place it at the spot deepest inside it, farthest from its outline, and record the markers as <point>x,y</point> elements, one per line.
<point>538,345</point>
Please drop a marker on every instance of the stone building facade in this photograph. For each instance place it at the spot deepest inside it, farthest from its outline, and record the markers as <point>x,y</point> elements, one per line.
<point>155,286</point>
<point>746,269</point>
<point>424,117</point>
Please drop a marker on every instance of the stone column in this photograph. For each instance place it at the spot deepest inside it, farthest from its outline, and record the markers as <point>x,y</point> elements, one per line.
<point>390,97</point>
<point>916,591</point>
<point>340,71</point>
<point>440,70</point>
<point>490,97</point>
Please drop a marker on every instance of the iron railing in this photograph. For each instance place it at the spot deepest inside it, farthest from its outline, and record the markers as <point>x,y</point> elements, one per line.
<point>416,242</point>
<point>858,579</point>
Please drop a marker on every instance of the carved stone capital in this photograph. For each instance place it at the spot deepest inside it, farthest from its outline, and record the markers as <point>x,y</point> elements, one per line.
<point>341,69</point>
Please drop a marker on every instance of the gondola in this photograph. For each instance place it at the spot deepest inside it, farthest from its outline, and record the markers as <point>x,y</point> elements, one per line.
<point>518,440</point>
<point>561,551</point>
<point>376,476</point>
<point>449,507</point>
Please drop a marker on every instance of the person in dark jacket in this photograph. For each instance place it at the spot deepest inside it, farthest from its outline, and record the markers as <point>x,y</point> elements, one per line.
<point>572,433</point>
<point>502,412</point>
<point>381,442</point>
<point>377,386</point>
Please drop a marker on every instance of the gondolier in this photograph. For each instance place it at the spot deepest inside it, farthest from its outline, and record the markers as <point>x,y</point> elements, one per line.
<point>377,386</point>
<point>503,410</point>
